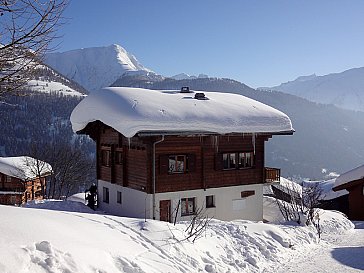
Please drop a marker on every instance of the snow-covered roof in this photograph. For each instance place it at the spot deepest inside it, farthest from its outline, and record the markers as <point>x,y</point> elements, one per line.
<point>23,167</point>
<point>135,110</point>
<point>326,187</point>
<point>354,174</point>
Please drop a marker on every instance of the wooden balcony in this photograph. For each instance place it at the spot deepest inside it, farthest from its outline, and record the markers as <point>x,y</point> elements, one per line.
<point>272,175</point>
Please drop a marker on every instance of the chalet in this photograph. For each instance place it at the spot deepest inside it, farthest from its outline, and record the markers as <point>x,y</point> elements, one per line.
<point>353,182</point>
<point>167,154</point>
<point>21,179</point>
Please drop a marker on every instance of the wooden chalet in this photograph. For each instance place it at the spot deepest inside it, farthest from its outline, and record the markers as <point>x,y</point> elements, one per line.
<point>353,182</point>
<point>169,167</point>
<point>18,182</point>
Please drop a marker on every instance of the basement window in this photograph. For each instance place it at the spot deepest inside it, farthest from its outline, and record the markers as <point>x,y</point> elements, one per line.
<point>118,197</point>
<point>210,201</point>
<point>105,195</point>
<point>188,206</point>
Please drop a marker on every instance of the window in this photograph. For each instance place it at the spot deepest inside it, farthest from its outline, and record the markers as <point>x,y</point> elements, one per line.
<point>118,197</point>
<point>245,160</point>
<point>8,178</point>
<point>177,164</point>
<point>210,201</point>
<point>105,195</point>
<point>105,158</point>
<point>229,161</point>
<point>119,157</point>
<point>188,206</point>
<point>237,160</point>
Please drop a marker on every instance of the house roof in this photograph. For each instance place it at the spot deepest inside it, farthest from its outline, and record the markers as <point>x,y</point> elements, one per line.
<point>23,167</point>
<point>136,110</point>
<point>343,180</point>
<point>326,187</point>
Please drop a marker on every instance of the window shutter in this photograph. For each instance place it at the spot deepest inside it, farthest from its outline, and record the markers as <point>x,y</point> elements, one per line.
<point>191,159</point>
<point>218,162</point>
<point>163,164</point>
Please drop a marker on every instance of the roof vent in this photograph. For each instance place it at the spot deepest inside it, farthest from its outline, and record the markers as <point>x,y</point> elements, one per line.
<point>185,89</point>
<point>200,96</point>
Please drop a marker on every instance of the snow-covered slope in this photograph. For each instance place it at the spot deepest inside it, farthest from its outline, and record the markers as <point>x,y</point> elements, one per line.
<point>52,87</point>
<point>47,80</point>
<point>96,67</point>
<point>345,89</point>
<point>63,241</point>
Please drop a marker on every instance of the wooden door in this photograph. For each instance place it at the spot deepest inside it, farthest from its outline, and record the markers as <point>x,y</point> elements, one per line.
<point>165,210</point>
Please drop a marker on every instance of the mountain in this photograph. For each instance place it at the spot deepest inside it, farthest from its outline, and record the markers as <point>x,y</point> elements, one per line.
<point>96,67</point>
<point>327,140</point>
<point>40,114</point>
<point>184,76</point>
<point>47,80</point>
<point>345,89</point>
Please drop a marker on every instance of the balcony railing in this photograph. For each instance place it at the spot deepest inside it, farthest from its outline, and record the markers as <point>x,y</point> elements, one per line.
<point>272,175</point>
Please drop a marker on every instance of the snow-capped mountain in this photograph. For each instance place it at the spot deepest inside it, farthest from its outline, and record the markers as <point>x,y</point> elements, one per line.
<point>96,67</point>
<point>345,89</point>
<point>184,76</point>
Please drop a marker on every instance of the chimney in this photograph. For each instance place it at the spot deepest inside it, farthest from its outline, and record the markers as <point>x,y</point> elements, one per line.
<point>200,96</point>
<point>185,89</point>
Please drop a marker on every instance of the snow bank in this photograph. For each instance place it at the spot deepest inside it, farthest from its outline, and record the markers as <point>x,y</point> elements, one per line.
<point>61,241</point>
<point>331,222</point>
<point>59,205</point>
<point>23,167</point>
<point>133,110</point>
<point>355,174</point>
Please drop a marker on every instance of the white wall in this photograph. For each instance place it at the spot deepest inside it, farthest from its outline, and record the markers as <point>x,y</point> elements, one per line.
<point>134,203</point>
<point>228,202</point>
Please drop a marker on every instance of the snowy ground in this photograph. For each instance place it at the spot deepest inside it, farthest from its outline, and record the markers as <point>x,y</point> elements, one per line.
<point>58,240</point>
<point>343,253</point>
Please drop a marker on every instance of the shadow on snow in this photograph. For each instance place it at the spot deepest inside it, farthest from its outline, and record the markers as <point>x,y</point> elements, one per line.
<point>350,256</point>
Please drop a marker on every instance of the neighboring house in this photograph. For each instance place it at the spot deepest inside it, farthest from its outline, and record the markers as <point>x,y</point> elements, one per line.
<point>331,200</point>
<point>21,179</point>
<point>167,154</point>
<point>353,182</point>
<point>285,190</point>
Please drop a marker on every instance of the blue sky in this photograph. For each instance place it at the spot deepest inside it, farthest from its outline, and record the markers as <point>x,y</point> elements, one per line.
<point>260,43</point>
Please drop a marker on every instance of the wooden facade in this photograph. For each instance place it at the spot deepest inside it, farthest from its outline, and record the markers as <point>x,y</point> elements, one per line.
<point>356,198</point>
<point>14,191</point>
<point>128,162</point>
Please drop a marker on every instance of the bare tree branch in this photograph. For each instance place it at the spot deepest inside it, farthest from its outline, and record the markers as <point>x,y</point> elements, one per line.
<point>27,28</point>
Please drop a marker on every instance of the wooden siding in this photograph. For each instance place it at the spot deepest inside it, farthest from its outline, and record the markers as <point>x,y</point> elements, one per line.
<point>204,155</point>
<point>15,184</point>
<point>31,190</point>
<point>356,202</point>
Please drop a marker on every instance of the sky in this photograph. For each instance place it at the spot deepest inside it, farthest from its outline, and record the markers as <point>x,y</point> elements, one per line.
<point>260,43</point>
